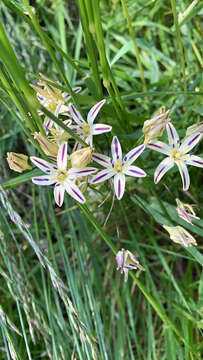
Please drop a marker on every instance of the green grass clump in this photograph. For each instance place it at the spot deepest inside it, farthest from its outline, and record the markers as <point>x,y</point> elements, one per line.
<point>61,297</point>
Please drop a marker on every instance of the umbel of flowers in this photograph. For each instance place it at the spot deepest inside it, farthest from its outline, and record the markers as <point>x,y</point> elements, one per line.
<point>67,170</point>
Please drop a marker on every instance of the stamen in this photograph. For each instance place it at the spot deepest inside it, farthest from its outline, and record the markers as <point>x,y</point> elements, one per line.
<point>125,158</point>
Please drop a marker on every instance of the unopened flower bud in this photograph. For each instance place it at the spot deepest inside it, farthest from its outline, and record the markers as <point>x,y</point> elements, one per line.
<point>154,127</point>
<point>127,261</point>
<point>18,162</point>
<point>181,236</point>
<point>49,148</point>
<point>82,157</point>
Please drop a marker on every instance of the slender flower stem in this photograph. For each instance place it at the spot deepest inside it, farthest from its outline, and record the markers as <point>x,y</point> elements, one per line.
<point>180,45</point>
<point>130,27</point>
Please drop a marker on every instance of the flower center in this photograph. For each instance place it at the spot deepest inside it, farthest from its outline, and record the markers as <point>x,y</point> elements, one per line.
<point>61,176</point>
<point>118,166</point>
<point>84,130</point>
<point>178,155</point>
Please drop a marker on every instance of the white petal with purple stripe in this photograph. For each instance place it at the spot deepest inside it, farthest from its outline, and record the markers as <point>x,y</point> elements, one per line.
<point>82,172</point>
<point>159,146</point>
<point>162,168</point>
<point>132,155</point>
<point>43,165</point>
<point>101,159</point>
<point>100,129</point>
<point>173,137</point>
<point>102,176</point>
<point>73,191</point>
<point>184,174</point>
<point>75,114</point>
<point>62,156</point>
<point>119,185</point>
<point>134,171</point>
<point>94,111</point>
<point>59,194</point>
<point>116,149</point>
<point>190,142</point>
<point>195,161</point>
<point>43,180</point>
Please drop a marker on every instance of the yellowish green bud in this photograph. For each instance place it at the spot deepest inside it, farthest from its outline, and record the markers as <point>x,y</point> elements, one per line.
<point>18,162</point>
<point>154,127</point>
<point>49,148</point>
<point>181,236</point>
<point>82,157</point>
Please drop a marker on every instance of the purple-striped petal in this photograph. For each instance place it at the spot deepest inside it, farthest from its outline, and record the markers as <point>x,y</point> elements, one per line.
<point>135,171</point>
<point>162,168</point>
<point>120,260</point>
<point>100,129</point>
<point>195,161</point>
<point>173,137</point>
<point>48,123</point>
<point>43,180</point>
<point>119,185</point>
<point>62,156</point>
<point>132,155</point>
<point>159,146</point>
<point>189,143</point>
<point>43,165</point>
<point>184,174</point>
<point>116,149</point>
<point>103,175</point>
<point>75,114</point>
<point>67,96</point>
<point>59,194</point>
<point>101,159</point>
<point>74,191</point>
<point>67,122</point>
<point>82,172</point>
<point>94,111</point>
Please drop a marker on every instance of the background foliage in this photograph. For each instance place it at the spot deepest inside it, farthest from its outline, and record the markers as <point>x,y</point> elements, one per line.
<point>61,297</point>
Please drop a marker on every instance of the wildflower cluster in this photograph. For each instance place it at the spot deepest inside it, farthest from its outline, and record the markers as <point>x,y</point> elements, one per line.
<point>67,169</point>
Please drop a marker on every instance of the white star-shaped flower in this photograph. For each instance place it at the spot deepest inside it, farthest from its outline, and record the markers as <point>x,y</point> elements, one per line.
<point>62,177</point>
<point>176,154</point>
<point>86,130</point>
<point>118,167</point>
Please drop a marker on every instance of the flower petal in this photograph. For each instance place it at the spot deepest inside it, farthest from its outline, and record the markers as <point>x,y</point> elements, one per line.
<point>67,122</point>
<point>189,143</point>
<point>116,149</point>
<point>43,165</point>
<point>75,114</point>
<point>94,111</point>
<point>132,155</point>
<point>82,172</point>
<point>184,174</point>
<point>159,146</point>
<point>74,191</point>
<point>194,160</point>
<point>67,96</point>
<point>62,156</point>
<point>102,176</point>
<point>47,124</point>
<point>43,180</point>
<point>162,168</point>
<point>119,185</point>
<point>101,159</point>
<point>100,129</point>
<point>134,171</point>
<point>59,194</point>
<point>173,137</point>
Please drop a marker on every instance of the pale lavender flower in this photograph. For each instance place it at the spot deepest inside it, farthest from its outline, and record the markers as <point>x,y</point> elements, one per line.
<point>186,212</point>
<point>117,167</point>
<point>176,154</point>
<point>62,177</point>
<point>86,130</point>
<point>127,261</point>
<point>181,236</point>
